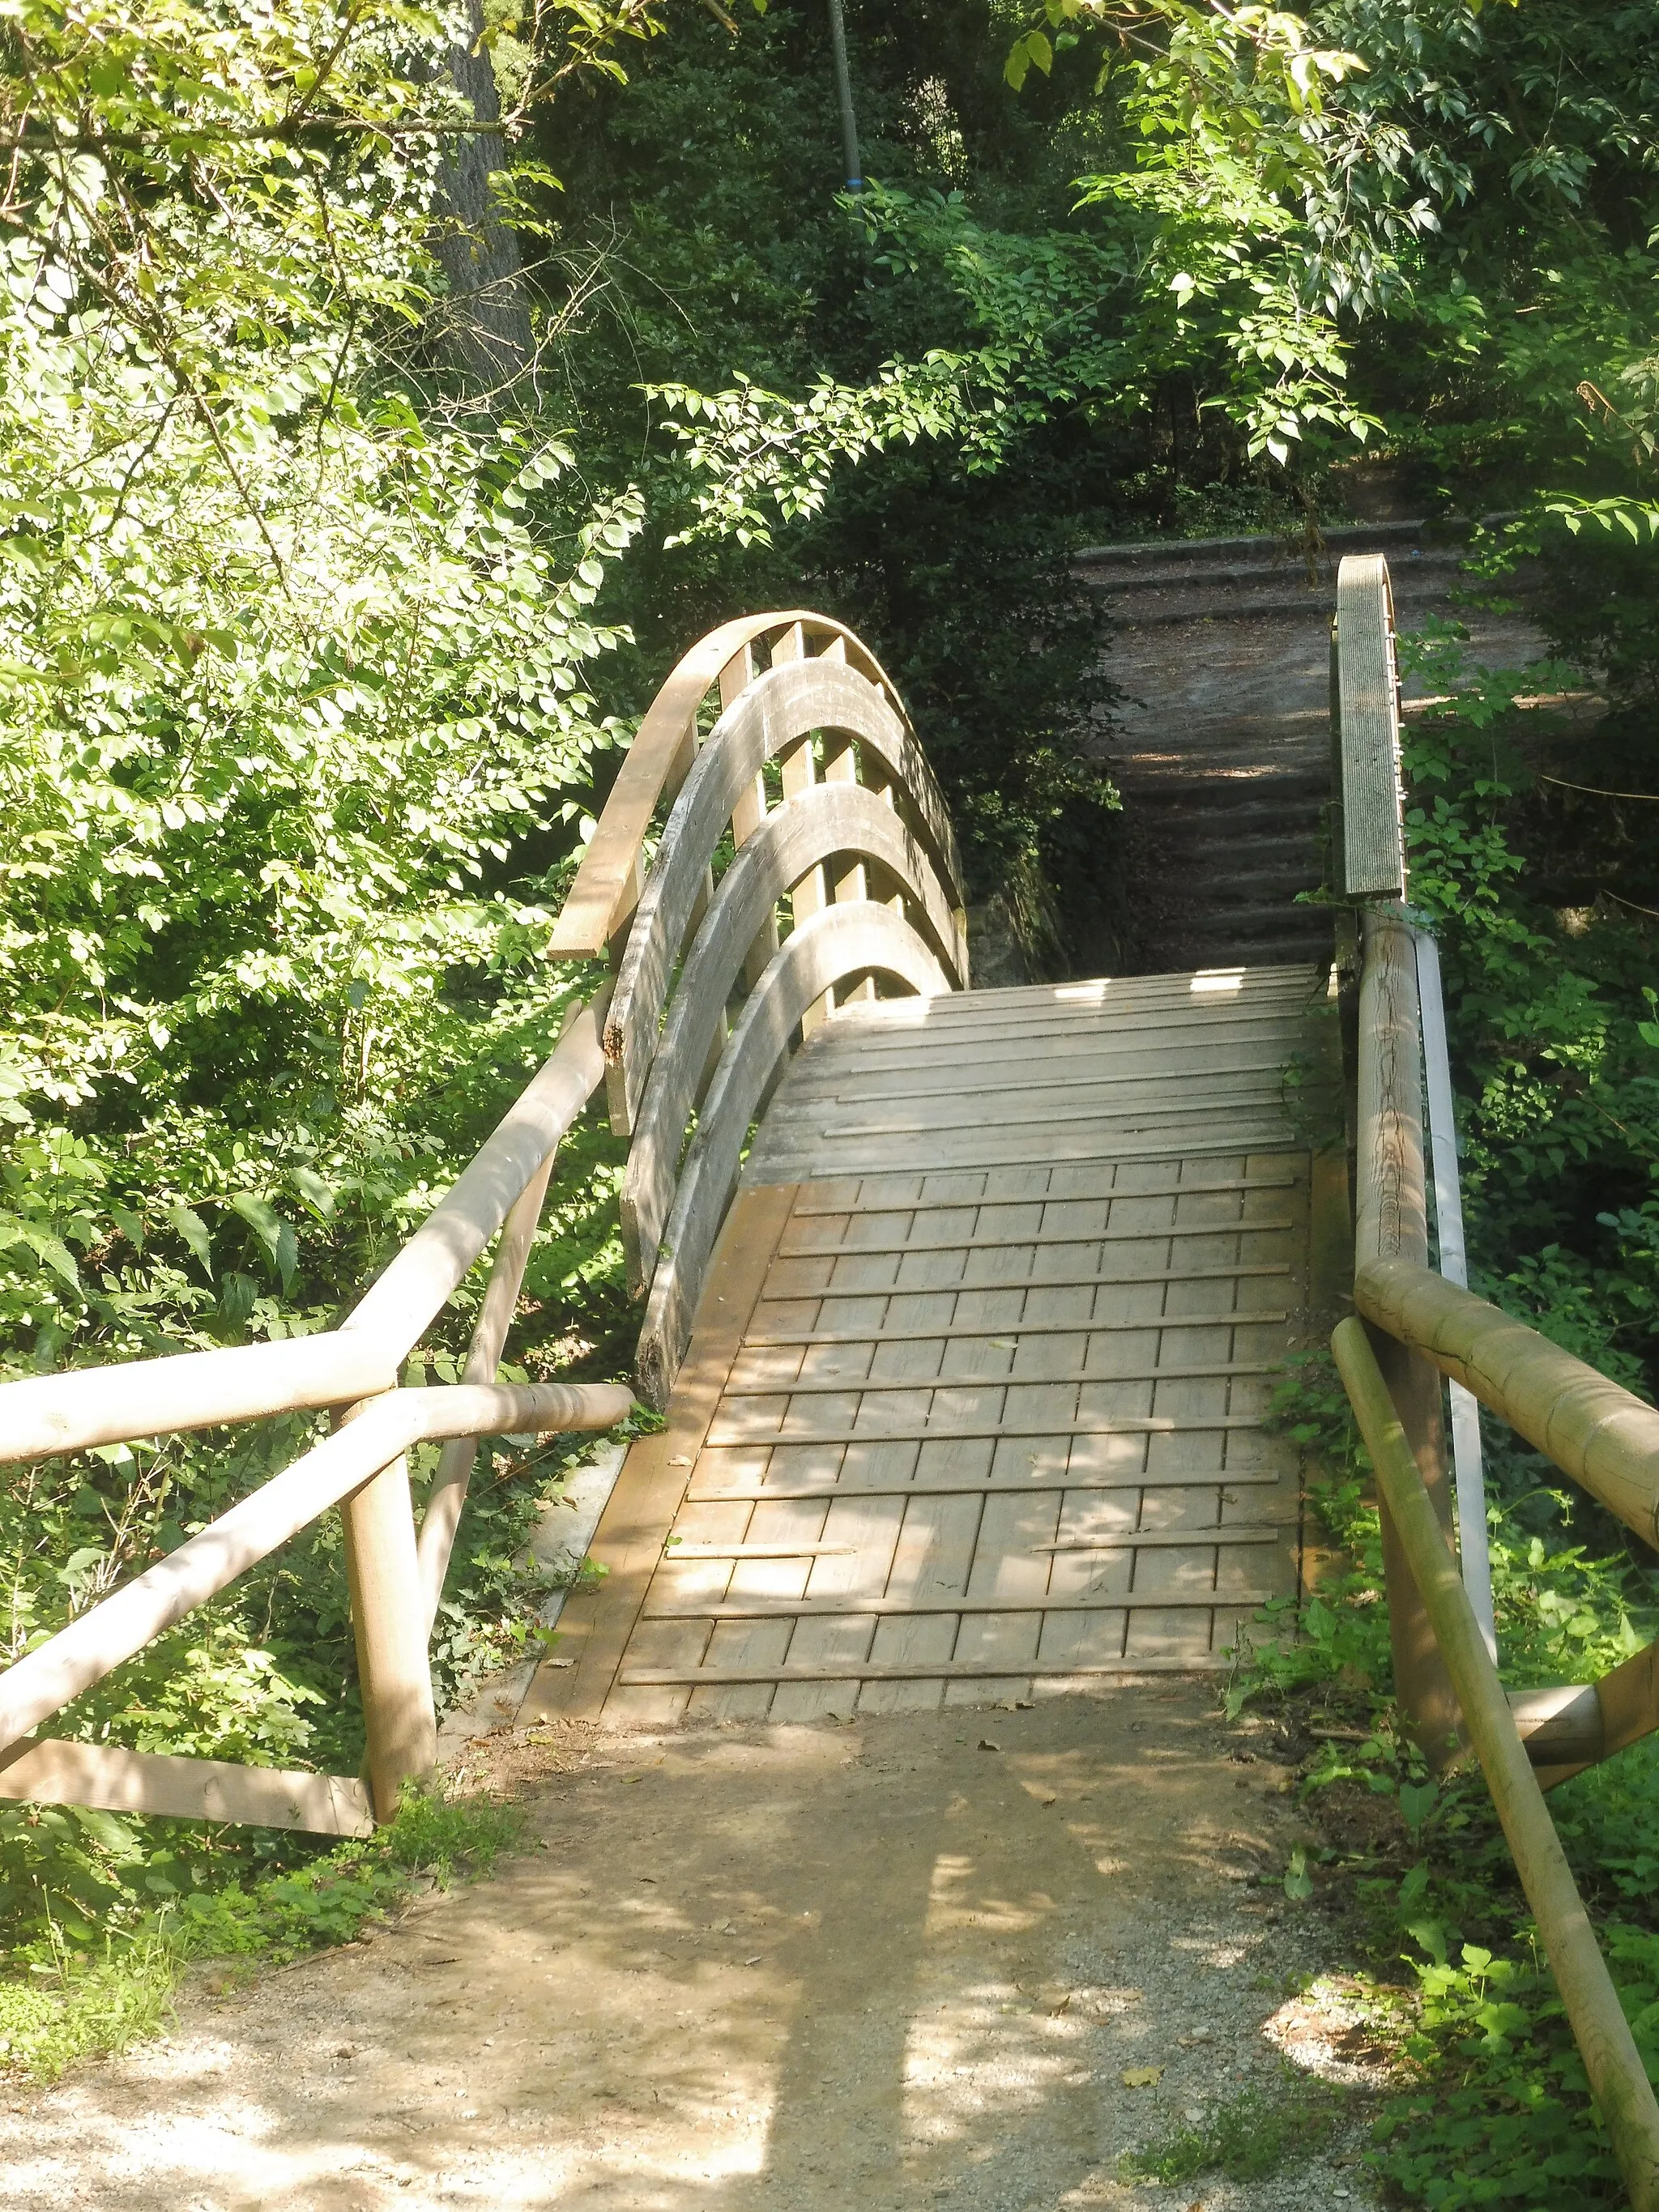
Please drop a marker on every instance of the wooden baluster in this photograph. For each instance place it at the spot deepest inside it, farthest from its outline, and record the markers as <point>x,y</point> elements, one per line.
<point>749,812</point>
<point>442,1518</point>
<point>799,769</point>
<point>841,766</point>
<point>388,1621</point>
<point>1392,1224</point>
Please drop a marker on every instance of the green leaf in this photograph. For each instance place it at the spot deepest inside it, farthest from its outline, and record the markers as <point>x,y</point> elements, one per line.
<point>1031,51</point>
<point>44,1245</point>
<point>273,1232</point>
<point>188,1225</point>
<point>1429,1934</point>
<point>321,1196</point>
<point>1416,1801</point>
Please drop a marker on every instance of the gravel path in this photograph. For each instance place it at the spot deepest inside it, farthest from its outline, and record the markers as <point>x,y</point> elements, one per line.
<point>926,1960</point>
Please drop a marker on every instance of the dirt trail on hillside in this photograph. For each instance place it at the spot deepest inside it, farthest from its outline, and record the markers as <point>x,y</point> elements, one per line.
<point>903,1962</point>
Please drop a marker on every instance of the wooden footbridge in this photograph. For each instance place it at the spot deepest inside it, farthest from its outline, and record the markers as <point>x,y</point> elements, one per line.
<point>964,1308</point>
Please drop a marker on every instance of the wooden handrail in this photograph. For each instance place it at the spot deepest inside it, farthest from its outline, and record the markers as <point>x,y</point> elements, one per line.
<point>43,1415</point>
<point>1391,1218</point>
<point>1391,1222</point>
<point>1416,1327</point>
<point>46,1678</point>
<point>861,828</point>
<point>1617,2079</point>
<point>1596,1431</point>
<point>395,1585</point>
<point>1372,860</point>
<point>46,1414</point>
<point>774,716</point>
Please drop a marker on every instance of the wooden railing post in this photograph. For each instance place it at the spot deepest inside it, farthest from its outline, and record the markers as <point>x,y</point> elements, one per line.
<point>1391,1223</point>
<point>388,1620</point>
<point>1617,2079</point>
<point>1390,1206</point>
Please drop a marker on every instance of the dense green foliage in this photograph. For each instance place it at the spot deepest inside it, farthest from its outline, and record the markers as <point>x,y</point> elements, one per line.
<point>314,657</point>
<point>294,664</point>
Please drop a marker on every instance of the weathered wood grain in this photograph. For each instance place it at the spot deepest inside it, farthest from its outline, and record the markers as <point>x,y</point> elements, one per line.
<point>1373,840</point>
<point>55,1773</point>
<point>866,1200</point>
<point>928,1486</point>
<point>1009,1604</point>
<point>1018,1404</point>
<point>844,940</point>
<point>977,1671</point>
<point>1060,1237</point>
<point>594,1628</point>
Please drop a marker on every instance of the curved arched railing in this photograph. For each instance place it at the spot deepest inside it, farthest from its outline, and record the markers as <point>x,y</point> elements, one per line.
<point>600,902</point>
<point>811,796</point>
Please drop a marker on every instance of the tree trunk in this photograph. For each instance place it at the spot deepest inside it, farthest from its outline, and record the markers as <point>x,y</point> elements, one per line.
<point>486,325</point>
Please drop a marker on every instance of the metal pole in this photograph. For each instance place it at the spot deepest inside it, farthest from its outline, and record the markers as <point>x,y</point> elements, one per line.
<point>849,129</point>
<point>1448,1237</point>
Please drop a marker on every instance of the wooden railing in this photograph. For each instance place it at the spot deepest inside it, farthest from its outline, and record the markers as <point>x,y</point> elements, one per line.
<point>396,1574</point>
<point>1413,1329</point>
<point>859,813</point>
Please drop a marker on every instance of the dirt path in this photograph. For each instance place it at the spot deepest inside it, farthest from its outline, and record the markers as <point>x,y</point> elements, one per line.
<point>875,1965</point>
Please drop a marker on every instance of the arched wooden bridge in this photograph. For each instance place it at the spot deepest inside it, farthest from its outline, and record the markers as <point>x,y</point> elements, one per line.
<point>964,1308</point>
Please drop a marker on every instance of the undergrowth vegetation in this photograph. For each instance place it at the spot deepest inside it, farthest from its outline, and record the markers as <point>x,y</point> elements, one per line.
<point>72,2001</point>
<point>1243,2138</point>
<point>1490,2103</point>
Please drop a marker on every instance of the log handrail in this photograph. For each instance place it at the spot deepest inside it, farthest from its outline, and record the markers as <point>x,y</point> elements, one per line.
<point>1372,863</point>
<point>1411,1329</point>
<point>396,1576</point>
<point>1601,1434</point>
<point>1617,2079</point>
<point>43,1415</point>
<point>47,1678</point>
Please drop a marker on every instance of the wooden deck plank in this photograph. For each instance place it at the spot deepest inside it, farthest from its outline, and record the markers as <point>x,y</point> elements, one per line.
<point>871,1525</point>
<point>786,1160</point>
<point>594,1628</point>
<point>994,1420</point>
<point>872,1194</point>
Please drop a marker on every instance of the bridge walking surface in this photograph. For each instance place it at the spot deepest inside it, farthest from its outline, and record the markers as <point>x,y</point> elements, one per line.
<point>974,1401</point>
